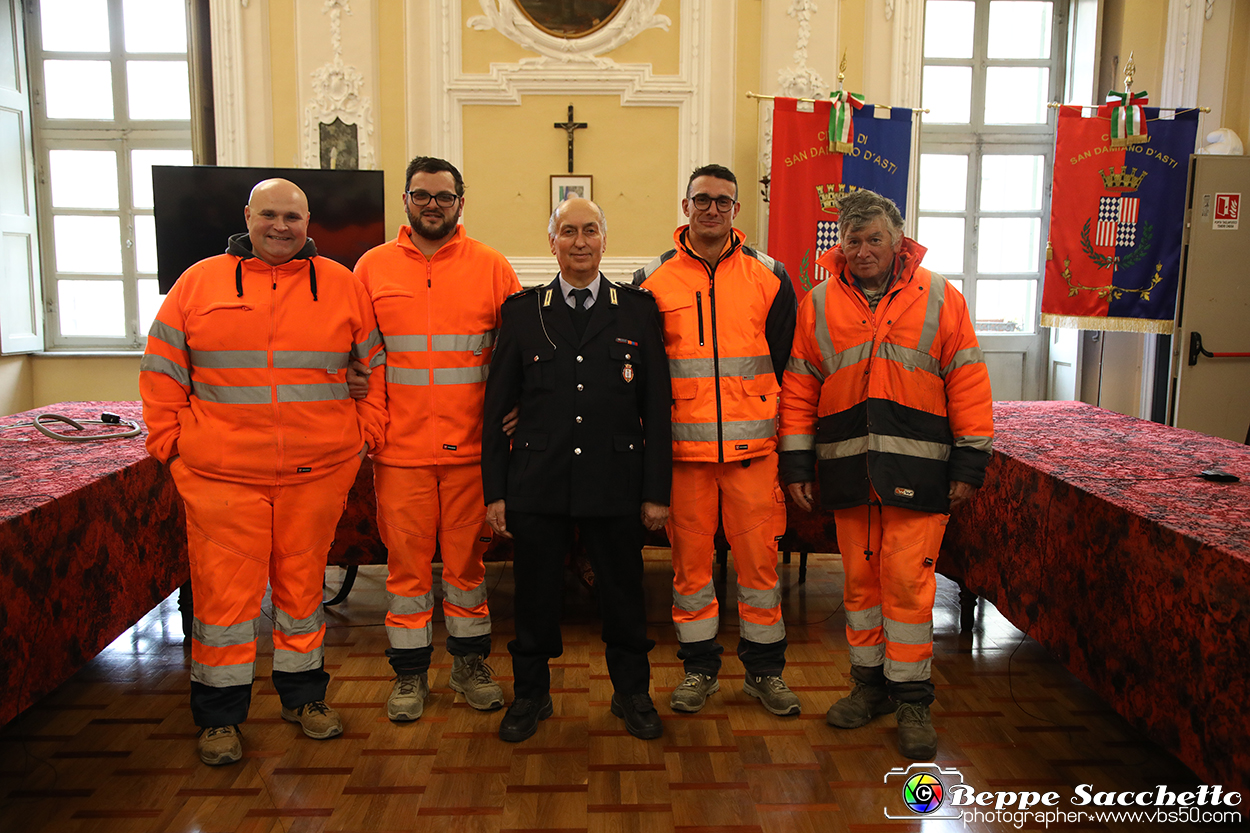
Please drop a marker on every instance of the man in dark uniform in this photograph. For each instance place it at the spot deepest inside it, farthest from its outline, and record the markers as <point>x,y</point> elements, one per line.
<point>584,359</point>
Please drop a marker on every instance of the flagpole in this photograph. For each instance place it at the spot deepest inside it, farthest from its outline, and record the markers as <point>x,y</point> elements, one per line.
<point>773,97</point>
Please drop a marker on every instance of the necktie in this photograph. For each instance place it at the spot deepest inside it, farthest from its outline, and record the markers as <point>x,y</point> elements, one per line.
<point>579,312</point>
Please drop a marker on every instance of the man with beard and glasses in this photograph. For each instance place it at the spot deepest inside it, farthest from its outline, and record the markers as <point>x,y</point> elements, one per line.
<point>437,294</point>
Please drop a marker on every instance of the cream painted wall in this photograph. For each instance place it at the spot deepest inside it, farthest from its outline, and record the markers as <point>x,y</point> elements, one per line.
<point>1237,84</point>
<point>16,384</point>
<point>76,377</point>
<point>746,163</point>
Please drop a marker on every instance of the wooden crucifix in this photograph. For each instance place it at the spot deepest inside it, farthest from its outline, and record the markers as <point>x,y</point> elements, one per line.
<point>569,126</point>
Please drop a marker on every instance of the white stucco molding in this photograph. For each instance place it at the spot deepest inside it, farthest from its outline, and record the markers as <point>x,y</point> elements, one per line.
<point>634,18</point>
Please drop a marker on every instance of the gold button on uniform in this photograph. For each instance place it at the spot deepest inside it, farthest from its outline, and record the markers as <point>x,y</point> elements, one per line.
<point>577,451</point>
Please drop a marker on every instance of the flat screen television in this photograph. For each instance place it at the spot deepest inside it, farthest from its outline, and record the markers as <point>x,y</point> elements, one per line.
<point>198,207</point>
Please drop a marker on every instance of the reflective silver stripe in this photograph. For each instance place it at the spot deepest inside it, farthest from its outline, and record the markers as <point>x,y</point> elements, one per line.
<point>294,661</point>
<point>284,622</point>
<point>378,358</point>
<point>467,626</point>
<point>311,359</point>
<point>699,630</point>
<point>903,633</point>
<point>864,620</point>
<point>697,600</point>
<point>850,356</point>
<point>909,358</point>
<point>824,340</point>
<point>476,342</point>
<point>869,656</point>
<point>407,375</point>
<point>979,443</point>
<point>705,432</point>
<point>408,605</point>
<point>461,375</point>
<point>796,442</point>
<point>762,634</point>
<point>173,337</point>
<point>329,392</point>
<point>230,359</point>
<point>762,599</point>
<point>160,364</point>
<point>932,312</point>
<point>223,636</point>
<point>232,394</point>
<point>903,672</point>
<point>883,443</point>
<point>846,448</point>
<point>409,637</point>
<point>405,344</point>
<point>804,368</point>
<point>222,676</point>
<point>374,339</point>
<point>962,358</point>
<point>464,598</point>
<point>704,368</point>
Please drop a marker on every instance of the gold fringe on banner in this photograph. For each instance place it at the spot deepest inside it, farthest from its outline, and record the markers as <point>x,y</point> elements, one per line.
<point>1118,325</point>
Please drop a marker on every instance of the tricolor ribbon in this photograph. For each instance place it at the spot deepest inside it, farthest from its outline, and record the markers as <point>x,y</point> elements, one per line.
<point>841,128</point>
<point>1128,121</point>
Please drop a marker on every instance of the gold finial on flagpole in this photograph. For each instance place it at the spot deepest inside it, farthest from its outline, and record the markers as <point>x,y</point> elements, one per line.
<point>842,70</point>
<point>1130,69</point>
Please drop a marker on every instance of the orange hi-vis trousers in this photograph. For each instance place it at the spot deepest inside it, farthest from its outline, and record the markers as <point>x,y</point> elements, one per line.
<point>418,507</point>
<point>889,555</point>
<point>752,507</point>
<point>242,537</point>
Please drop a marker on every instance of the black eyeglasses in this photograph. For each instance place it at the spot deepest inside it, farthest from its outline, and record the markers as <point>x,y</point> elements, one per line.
<point>703,202</point>
<point>445,200</point>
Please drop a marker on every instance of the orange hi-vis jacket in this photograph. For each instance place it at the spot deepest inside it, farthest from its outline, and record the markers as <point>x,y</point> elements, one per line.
<point>439,318</point>
<point>244,375</point>
<point>897,400</point>
<point>727,333</point>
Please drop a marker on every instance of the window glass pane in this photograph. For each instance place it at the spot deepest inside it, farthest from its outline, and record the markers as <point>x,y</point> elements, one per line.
<point>1014,95</point>
<point>947,94</point>
<point>1018,29</point>
<point>154,25</point>
<point>1011,183</point>
<point>88,244</point>
<point>141,162</point>
<point>74,25</point>
<point>943,182</point>
<point>948,28</point>
<point>158,90</point>
<point>91,308</point>
<point>78,89</point>
<point>944,238</point>
<point>1005,306</point>
<point>150,300</point>
<point>1008,244</point>
<point>957,283</point>
<point>145,243</point>
<point>83,178</point>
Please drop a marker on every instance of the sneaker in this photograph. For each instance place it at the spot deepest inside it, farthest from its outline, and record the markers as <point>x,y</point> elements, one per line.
<point>917,739</point>
<point>641,719</point>
<point>219,745</point>
<point>772,692</point>
<point>858,708</point>
<point>318,720</point>
<point>471,676</point>
<point>522,718</point>
<point>407,700</point>
<point>693,692</point>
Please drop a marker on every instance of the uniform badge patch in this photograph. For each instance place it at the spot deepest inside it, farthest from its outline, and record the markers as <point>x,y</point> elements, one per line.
<point>627,372</point>
<point>901,492</point>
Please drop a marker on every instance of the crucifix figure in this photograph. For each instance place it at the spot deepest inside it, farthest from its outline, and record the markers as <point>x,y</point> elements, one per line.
<point>569,126</point>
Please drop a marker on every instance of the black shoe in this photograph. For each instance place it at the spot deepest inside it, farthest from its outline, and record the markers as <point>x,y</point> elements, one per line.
<point>522,718</point>
<point>641,719</point>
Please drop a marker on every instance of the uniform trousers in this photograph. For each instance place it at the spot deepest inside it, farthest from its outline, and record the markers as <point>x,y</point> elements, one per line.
<point>889,555</point>
<point>240,538</point>
<point>420,507</point>
<point>614,547</point>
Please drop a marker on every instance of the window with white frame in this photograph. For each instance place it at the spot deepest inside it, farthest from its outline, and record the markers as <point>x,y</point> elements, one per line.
<point>111,99</point>
<point>986,150</point>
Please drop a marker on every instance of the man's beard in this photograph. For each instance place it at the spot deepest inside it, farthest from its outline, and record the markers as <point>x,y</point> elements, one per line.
<point>438,232</point>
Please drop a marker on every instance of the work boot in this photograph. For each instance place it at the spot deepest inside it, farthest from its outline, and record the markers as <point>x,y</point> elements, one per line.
<point>522,718</point>
<point>471,676</point>
<point>858,708</point>
<point>917,739</point>
<point>318,720</point>
<point>407,700</point>
<point>219,745</point>
<point>693,692</point>
<point>641,718</point>
<point>772,692</point>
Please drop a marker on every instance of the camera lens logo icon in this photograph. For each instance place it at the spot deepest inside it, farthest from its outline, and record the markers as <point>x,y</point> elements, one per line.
<point>922,793</point>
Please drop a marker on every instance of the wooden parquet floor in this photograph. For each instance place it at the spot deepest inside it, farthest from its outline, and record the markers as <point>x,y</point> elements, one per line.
<point>114,749</point>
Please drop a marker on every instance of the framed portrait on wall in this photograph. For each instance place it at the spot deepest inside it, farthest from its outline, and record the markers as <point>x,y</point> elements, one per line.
<point>564,186</point>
